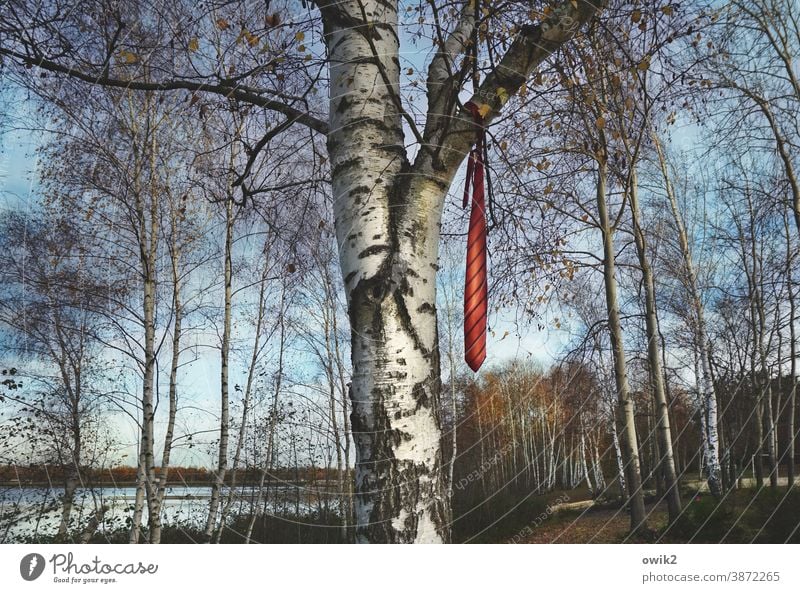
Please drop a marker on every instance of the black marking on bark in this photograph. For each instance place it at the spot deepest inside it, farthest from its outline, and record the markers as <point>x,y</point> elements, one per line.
<point>420,395</point>
<point>404,318</point>
<point>343,165</point>
<point>426,308</point>
<point>373,250</point>
<point>360,189</point>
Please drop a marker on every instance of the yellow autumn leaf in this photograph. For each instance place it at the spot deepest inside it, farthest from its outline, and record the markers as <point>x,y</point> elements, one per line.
<point>194,44</point>
<point>644,64</point>
<point>299,36</point>
<point>600,122</point>
<point>128,57</point>
<point>502,94</point>
<point>222,24</point>
<point>636,16</point>
<point>667,10</point>
<point>484,109</point>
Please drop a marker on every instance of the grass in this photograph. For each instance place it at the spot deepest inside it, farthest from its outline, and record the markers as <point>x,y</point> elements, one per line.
<point>743,516</point>
<point>767,515</point>
<point>505,516</point>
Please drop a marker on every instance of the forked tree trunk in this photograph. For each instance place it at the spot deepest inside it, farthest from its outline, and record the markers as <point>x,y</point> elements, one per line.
<point>177,311</point>
<point>388,213</point>
<point>389,238</point>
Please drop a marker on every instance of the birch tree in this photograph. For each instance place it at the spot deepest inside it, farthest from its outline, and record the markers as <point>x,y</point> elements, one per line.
<point>388,206</point>
<point>708,395</point>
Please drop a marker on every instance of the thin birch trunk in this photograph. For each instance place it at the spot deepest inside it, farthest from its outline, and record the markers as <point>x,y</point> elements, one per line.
<point>248,390</point>
<point>273,419</point>
<point>148,246</point>
<point>222,460</point>
<point>623,488</point>
<point>348,506</point>
<point>625,411</point>
<point>709,396</point>
<point>666,459</point>
<point>790,255</point>
<point>177,309</point>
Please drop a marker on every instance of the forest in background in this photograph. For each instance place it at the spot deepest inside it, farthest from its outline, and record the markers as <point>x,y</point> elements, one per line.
<point>243,250</point>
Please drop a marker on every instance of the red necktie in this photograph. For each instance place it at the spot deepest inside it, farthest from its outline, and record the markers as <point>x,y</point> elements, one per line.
<point>475,287</point>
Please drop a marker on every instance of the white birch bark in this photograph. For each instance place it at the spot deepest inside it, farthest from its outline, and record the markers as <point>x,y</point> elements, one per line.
<point>388,214</point>
<point>584,464</point>
<point>177,312</point>
<point>709,397</point>
<point>625,411</point>
<point>222,459</point>
<point>666,459</point>
<point>791,253</point>
<point>246,398</point>
<point>147,220</point>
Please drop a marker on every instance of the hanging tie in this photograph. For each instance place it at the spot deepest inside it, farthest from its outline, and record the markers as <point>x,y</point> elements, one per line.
<point>475,287</point>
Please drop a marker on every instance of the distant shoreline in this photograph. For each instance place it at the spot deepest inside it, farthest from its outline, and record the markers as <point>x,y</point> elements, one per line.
<point>58,484</point>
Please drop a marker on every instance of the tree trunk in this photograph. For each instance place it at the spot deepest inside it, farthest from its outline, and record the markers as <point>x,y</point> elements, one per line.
<point>248,390</point>
<point>708,395</point>
<point>625,411</point>
<point>222,460</point>
<point>664,435</point>
<point>347,493</point>
<point>388,215</point>
<point>266,468</point>
<point>177,310</point>
<point>138,503</point>
<point>148,245</point>
<point>73,465</point>
<point>388,260</point>
<point>790,255</point>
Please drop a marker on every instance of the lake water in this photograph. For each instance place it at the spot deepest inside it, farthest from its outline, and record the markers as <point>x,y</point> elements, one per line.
<point>26,511</point>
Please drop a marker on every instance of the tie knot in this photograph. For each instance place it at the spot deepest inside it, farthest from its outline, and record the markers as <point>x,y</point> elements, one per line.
<point>475,111</point>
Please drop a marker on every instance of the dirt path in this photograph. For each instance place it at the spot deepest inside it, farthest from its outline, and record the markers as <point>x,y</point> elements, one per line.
<point>592,525</point>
